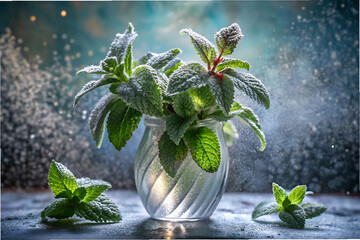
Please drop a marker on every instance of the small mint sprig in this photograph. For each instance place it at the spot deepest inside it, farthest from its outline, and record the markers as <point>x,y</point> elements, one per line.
<point>290,207</point>
<point>83,197</point>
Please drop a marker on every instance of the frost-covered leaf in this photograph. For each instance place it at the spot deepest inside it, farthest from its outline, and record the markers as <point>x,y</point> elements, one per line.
<point>128,60</point>
<point>92,70</point>
<point>93,188</point>
<point>102,209</point>
<point>203,46</point>
<point>163,81</point>
<point>119,46</point>
<point>230,133</point>
<point>227,39</point>
<point>294,217</point>
<point>186,77</point>
<point>232,63</point>
<point>109,64</point>
<point>123,120</point>
<point>172,66</point>
<point>61,179</point>
<point>160,60</point>
<point>104,80</point>
<point>279,193</point>
<point>202,98</point>
<point>184,105</point>
<point>297,195</point>
<point>59,209</point>
<point>223,92</point>
<point>142,92</point>
<point>204,147</point>
<point>265,208</point>
<point>170,154</point>
<point>143,60</point>
<point>98,115</point>
<point>250,85</point>
<point>80,192</point>
<point>176,126</point>
<point>313,209</point>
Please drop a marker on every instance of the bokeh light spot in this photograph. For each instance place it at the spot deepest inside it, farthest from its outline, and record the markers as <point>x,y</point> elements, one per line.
<point>63,13</point>
<point>33,18</point>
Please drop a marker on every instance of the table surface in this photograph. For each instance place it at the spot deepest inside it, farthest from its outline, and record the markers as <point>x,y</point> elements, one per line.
<point>20,218</point>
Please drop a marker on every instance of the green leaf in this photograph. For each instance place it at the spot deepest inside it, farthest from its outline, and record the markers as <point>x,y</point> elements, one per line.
<point>160,60</point>
<point>230,133</point>
<point>93,188</point>
<point>172,66</point>
<point>184,105</point>
<point>80,192</point>
<point>109,64</point>
<point>249,117</point>
<point>250,85</point>
<point>98,115</point>
<point>104,80</point>
<point>121,43</point>
<point>313,209</point>
<point>92,69</point>
<point>204,147</point>
<point>186,77</point>
<point>265,208</point>
<point>223,92</point>
<point>176,126</point>
<point>128,60</point>
<point>219,116</point>
<point>297,195</point>
<point>286,203</point>
<point>142,92</point>
<point>227,39</point>
<point>232,63</point>
<point>123,120</point>
<point>65,194</point>
<point>202,98</point>
<point>59,209</point>
<point>102,209</point>
<point>170,154</point>
<point>204,47</point>
<point>61,179</point>
<point>279,193</point>
<point>143,60</point>
<point>294,217</point>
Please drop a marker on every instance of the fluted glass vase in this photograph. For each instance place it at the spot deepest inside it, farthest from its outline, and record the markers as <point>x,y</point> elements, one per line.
<point>192,194</point>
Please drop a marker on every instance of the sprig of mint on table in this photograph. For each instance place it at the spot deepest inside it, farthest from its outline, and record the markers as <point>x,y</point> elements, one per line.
<point>83,197</point>
<point>290,207</point>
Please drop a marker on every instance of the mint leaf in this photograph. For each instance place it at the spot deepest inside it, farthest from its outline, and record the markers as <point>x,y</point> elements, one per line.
<point>170,154</point>
<point>176,126</point>
<point>204,47</point>
<point>121,43</point>
<point>186,77</point>
<point>297,195</point>
<point>279,193</point>
<point>183,104</point>
<point>93,188</point>
<point>102,209</point>
<point>142,92</point>
<point>230,133</point>
<point>172,66</point>
<point>104,80</point>
<point>160,60</point>
<point>265,208</point>
<point>80,192</point>
<point>250,85</point>
<point>294,217</point>
<point>202,98</point>
<point>128,60</point>
<point>204,147</point>
<point>123,120</point>
<point>98,115</point>
<point>92,69</point>
<point>286,203</point>
<point>143,60</point>
<point>313,209</point>
<point>227,39</point>
<point>59,209</point>
<point>65,194</point>
<point>61,179</point>
<point>109,64</point>
<point>223,92</point>
<point>232,63</point>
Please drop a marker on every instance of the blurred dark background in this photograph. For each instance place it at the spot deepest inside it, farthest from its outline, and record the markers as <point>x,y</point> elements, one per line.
<point>306,53</point>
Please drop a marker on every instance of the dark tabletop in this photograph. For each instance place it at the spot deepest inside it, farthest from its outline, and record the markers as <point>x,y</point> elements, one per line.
<point>20,218</point>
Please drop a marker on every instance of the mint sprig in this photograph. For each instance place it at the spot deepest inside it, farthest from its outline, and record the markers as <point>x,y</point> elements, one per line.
<point>83,197</point>
<point>290,207</point>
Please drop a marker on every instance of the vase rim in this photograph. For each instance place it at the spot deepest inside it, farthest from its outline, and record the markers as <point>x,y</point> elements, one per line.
<point>155,121</point>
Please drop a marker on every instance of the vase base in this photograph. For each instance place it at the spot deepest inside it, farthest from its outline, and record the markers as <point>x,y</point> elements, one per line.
<point>164,219</point>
